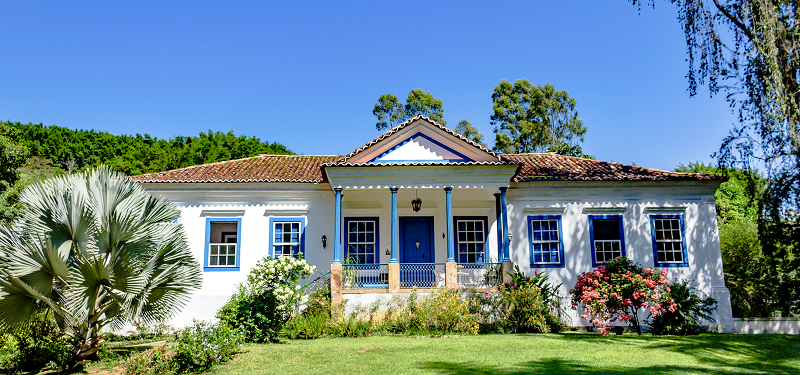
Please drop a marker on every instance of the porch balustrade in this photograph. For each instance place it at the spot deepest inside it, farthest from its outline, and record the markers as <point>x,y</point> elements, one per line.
<point>479,275</point>
<point>422,275</point>
<point>365,276</point>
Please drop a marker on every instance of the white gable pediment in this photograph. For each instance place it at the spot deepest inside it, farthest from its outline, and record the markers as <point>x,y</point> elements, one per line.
<point>422,142</point>
<point>420,148</point>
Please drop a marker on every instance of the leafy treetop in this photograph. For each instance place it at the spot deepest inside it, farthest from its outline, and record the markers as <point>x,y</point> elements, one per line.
<point>390,112</point>
<point>532,118</point>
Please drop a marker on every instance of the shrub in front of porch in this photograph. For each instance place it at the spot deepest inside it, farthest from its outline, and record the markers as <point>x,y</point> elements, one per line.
<point>526,304</point>
<point>261,306</point>
<point>440,313</point>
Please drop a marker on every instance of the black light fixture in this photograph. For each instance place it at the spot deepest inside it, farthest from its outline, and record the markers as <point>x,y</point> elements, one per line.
<point>324,241</point>
<point>416,204</point>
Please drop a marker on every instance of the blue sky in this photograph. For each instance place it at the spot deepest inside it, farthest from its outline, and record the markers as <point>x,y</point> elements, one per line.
<point>307,74</point>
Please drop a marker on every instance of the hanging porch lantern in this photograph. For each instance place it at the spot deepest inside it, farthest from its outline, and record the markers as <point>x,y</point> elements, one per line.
<point>416,204</point>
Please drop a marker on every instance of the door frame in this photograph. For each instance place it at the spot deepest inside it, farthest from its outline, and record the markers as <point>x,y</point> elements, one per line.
<point>430,220</point>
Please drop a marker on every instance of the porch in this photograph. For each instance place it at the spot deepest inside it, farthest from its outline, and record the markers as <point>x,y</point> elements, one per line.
<point>415,259</point>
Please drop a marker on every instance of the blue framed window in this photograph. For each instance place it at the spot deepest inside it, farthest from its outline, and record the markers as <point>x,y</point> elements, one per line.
<point>223,244</point>
<point>287,236</point>
<point>471,236</point>
<point>546,246</point>
<point>362,241</point>
<point>669,241</point>
<point>607,238</point>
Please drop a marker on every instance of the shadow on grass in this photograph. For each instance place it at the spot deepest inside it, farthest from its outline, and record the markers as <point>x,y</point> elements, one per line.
<point>558,366</point>
<point>748,354</point>
<point>764,353</point>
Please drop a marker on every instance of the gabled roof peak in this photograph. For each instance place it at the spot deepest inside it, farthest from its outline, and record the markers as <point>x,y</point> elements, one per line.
<point>410,121</point>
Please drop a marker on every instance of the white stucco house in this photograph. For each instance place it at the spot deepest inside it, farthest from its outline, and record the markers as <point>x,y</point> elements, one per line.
<point>421,206</point>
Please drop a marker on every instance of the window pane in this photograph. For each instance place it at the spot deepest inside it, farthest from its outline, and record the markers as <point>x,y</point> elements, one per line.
<point>605,229</point>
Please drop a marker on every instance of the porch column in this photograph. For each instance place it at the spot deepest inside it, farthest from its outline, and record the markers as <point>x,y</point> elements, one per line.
<point>394,226</point>
<point>336,267</point>
<point>394,264</point>
<point>504,210</point>
<point>506,265</point>
<point>499,230</point>
<point>337,228</point>
<point>450,268</point>
<point>450,256</point>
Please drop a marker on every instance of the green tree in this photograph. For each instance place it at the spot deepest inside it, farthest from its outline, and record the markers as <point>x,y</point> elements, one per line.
<point>390,112</point>
<point>530,118</point>
<point>751,277</point>
<point>562,148</point>
<point>750,50</point>
<point>470,132</point>
<point>96,250</point>
<point>12,156</point>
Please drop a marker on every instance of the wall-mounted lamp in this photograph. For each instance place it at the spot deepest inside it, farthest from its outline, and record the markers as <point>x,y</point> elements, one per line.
<point>510,236</point>
<point>324,241</point>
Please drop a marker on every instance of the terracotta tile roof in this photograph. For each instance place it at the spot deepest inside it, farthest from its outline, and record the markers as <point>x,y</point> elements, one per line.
<point>309,169</point>
<point>554,167</point>
<point>406,123</point>
<point>261,168</point>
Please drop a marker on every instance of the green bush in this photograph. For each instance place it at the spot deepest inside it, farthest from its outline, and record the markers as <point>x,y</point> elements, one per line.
<point>203,345</point>
<point>261,306</point>
<point>155,361</point>
<point>686,319</point>
<point>36,344</point>
<point>444,312</point>
<point>526,304</point>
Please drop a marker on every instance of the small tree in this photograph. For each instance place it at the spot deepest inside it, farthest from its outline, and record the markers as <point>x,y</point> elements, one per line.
<point>618,290</point>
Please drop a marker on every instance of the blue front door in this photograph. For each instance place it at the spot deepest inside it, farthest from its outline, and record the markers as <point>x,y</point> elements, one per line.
<point>416,246</point>
<point>416,237</point>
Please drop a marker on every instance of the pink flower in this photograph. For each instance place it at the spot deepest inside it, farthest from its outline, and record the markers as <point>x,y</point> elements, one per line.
<point>444,307</point>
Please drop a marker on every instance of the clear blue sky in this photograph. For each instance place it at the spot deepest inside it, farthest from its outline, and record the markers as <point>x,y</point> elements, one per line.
<point>308,74</point>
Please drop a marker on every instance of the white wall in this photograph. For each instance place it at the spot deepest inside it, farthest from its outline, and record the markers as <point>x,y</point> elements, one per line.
<point>255,202</point>
<point>702,237</point>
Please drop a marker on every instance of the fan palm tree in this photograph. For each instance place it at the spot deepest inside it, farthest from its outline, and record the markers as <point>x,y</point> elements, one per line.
<point>98,251</point>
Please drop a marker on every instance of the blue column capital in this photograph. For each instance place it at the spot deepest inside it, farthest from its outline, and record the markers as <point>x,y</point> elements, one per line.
<point>393,189</point>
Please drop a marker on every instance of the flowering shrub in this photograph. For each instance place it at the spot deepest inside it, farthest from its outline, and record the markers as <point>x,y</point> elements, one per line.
<point>617,290</point>
<point>203,345</point>
<point>262,305</point>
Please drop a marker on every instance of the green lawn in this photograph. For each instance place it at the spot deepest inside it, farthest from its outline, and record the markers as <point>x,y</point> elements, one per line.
<point>569,353</point>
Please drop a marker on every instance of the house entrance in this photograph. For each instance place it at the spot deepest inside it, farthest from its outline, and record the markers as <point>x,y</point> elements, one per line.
<point>416,246</point>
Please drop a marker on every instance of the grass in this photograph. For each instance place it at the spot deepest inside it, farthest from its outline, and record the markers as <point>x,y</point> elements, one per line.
<point>521,354</point>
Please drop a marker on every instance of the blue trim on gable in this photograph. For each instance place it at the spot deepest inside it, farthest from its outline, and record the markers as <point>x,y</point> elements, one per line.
<point>347,220</point>
<point>685,262</point>
<point>290,219</point>
<point>560,242</point>
<point>591,236</point>
<point>485,220</point>
<point>420,134</point>
<point>207,248</point>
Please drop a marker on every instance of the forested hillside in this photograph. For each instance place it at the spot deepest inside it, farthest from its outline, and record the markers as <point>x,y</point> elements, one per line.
<point>136,154</point>
<point>32,152</point>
